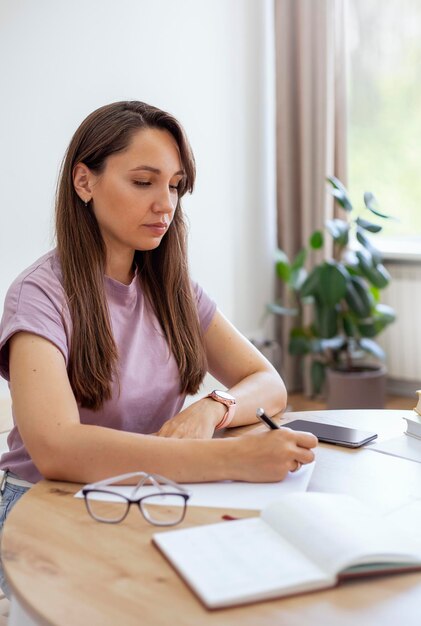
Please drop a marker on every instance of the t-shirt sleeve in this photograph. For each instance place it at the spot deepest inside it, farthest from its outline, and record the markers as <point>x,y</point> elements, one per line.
<point>32,308</point>
<point>206,307</point>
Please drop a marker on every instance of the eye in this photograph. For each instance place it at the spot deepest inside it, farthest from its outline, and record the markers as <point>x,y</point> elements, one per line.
<point>179,185</point>
<point>142,183</point>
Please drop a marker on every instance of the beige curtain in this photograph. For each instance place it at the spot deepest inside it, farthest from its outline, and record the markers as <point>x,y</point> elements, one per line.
<point>311,127</point>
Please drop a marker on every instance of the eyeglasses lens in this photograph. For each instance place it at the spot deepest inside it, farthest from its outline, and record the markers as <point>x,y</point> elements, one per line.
<point>163,509</point>
<point>104,510</point>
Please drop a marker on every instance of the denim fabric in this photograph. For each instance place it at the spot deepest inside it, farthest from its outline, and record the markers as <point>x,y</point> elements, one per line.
<point>11,495</point>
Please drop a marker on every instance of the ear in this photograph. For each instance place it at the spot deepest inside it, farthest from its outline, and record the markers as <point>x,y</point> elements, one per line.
<point>82,181</point>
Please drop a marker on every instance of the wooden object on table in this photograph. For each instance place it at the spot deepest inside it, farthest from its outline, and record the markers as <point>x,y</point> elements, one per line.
<point>66,569</point>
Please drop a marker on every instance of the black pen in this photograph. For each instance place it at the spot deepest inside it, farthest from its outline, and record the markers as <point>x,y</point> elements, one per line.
<point>260,413</point>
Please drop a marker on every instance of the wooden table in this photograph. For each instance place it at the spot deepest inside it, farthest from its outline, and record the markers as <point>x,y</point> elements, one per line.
<point>66,569</point>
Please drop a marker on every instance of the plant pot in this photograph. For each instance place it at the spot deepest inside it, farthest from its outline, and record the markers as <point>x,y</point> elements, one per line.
<point>362,388</point>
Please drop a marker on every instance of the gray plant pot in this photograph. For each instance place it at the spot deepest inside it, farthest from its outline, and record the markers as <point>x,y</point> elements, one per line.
<point>364,388</point>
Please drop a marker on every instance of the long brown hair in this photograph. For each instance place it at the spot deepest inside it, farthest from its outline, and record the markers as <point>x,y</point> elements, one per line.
<point>163,272</point>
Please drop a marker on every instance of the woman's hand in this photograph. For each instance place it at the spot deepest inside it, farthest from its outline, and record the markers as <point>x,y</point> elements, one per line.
<point>269,456</point>
<point>197,421</point>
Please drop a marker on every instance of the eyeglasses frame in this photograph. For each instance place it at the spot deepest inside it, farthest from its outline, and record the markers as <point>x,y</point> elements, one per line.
<point>158,481</point>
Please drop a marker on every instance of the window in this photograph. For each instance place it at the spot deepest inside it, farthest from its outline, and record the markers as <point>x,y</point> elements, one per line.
<point>384,108</point>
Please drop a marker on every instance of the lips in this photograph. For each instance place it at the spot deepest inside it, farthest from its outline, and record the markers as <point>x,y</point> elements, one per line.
<point>158,228</point>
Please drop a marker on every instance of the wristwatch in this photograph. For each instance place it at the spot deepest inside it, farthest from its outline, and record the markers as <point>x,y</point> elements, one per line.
<point>224,398</point>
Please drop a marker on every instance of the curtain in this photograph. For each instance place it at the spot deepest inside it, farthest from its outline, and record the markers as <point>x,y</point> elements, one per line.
<point>311,129</point>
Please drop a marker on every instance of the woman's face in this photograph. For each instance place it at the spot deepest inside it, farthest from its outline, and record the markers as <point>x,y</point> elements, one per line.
<point>135,197</point>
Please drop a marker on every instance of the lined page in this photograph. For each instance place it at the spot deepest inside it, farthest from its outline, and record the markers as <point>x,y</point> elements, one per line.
<point>237,562</point>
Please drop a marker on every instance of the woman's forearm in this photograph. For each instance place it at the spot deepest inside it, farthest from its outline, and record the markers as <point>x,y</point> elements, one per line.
<point>261,389</point>
<point>88,453</point>
<point>243,369</point>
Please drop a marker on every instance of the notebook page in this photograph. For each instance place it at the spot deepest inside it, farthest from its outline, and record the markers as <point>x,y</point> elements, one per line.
<point>336,530</point>
<point>237,562</point>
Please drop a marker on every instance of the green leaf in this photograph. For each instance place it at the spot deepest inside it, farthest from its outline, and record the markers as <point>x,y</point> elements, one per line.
<point>334,343</point>
<point>348,325</point>
<point>316,240</point>
<point>283,270</point>
<point>364,241</point>
<point>372,228</point>
<point>375,292</point>
<point>340,193</point>
<point>326,320</point>
<point>358,297</point>
<point>316,346</point>
<point>342,200</point>
<point>364,258</point>
<point>282,265</point>
<point>381,318</point>
<point>339,231</point>
<point>299,346</point>
<point>313,330</point>
<point>307,299</point>
<point>317,374</point>
<point>371,204</point>
<point>297,278</point>
<point>377,275</point>
<point>368,329</point>
<point>299,259</point>
<point>278,309</point>
<point>353,270</point>
<point>368,345</point>
<point>300,331</point>
<point>280,255</point>
<point>385,312</point>
<point>333,229</point>
<point>333,282</point>
<point>311,285</point>
<point>382,276</point>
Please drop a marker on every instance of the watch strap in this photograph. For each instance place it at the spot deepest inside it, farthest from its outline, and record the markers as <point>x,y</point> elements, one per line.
<point>229,413</point>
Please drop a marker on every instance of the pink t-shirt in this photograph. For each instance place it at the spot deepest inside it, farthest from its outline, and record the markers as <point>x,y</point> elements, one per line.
<point>149,381</point>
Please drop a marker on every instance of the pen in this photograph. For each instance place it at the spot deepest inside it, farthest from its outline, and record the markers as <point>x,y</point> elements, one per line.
<point>260,413</point>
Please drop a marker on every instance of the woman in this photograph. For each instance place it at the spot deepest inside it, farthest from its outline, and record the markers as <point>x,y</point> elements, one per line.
<point>102,338</point>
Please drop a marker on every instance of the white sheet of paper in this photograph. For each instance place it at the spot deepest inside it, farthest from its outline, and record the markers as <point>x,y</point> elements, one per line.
<point>235,495</point>
<point>405,447</point>
<point>408,519</point>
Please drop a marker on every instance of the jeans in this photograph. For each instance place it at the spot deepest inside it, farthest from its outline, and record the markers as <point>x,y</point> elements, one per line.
<point>8,499</point>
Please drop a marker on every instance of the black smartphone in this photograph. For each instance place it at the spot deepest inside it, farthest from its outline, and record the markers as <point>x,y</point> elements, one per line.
<point>340,435</point>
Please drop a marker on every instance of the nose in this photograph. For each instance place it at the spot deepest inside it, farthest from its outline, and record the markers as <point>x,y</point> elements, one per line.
<point>165,201</point>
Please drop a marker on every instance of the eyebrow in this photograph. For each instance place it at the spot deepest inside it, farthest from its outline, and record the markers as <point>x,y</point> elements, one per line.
<point>155,170</point>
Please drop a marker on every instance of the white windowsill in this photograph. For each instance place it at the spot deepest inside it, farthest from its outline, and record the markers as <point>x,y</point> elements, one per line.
<point>405,249</point>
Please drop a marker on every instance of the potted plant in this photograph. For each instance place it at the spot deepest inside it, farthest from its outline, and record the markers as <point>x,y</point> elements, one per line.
<point>337,305</point>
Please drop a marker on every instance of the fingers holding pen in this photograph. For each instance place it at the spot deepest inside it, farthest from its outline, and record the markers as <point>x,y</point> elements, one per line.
<point>304,439</point>
<point>300,448</point>
<point>271,455</point>
<point>280,451</point>
<point>296,449</point>
<point>301,444</point>
<point>304,442</point>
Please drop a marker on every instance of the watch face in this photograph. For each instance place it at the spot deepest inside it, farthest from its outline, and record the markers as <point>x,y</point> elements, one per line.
<point>224,394</point>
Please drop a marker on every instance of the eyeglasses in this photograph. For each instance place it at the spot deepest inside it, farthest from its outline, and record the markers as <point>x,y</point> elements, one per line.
<point>161,501</point>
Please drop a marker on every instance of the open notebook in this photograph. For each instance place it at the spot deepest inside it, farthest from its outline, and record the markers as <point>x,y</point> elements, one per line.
<point>303,542</point>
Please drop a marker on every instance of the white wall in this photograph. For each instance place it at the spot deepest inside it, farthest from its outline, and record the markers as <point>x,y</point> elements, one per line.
<point>209,62</point>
